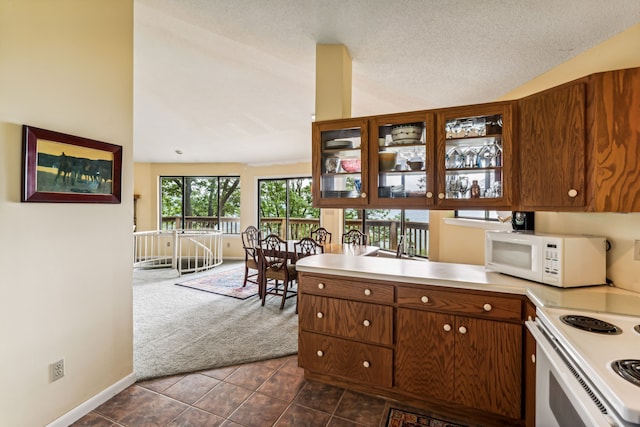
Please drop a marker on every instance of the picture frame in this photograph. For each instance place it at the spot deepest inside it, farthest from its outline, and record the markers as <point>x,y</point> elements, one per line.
<point>61,168</point>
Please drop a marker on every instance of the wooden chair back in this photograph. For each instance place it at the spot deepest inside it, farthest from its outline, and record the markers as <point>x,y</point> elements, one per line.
<point>306,247</point>
<point>321,235</point>
<point>354,237</point>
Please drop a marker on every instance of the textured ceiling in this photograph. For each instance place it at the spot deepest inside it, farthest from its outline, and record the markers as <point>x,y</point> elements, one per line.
<point>234,80</point>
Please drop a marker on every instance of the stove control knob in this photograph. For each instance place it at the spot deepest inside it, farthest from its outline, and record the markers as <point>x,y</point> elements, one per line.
<point>447,327</point>
<point>462,330</point>
<point>487,307</point>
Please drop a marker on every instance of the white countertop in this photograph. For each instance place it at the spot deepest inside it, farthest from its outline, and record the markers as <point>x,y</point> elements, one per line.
<point>466,276</point>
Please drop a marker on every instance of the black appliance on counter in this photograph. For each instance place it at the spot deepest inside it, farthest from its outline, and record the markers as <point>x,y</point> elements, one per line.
<point>523,221</point>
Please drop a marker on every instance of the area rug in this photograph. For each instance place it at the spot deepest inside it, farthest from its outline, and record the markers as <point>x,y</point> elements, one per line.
<point>400,418</point>
<point>227,283</point>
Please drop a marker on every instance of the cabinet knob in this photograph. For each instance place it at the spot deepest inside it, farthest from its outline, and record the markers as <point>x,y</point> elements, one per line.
<point>533,358</point>
<point>366,323</point>
<point>429,195</point>
<point>573,192</point>
<point>487,307</point>
<point>462,330</point>
<point>320,315</point>
<point>320,285</point>
<point>367,292</point>
<point>363,195</point>
<point>447,327</point>
<point>366,364</point>
<point>320,353</point>
<point>424,299</point>
<point>529,318</point>
<point>441,196</point>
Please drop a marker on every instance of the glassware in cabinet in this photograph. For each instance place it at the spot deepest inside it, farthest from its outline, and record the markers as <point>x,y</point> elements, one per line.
<point>475,149</point>
<point>401,165</point>
<point>339,158</point>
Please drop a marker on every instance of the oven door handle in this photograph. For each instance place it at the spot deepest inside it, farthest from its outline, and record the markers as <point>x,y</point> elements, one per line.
<point>586,408</point>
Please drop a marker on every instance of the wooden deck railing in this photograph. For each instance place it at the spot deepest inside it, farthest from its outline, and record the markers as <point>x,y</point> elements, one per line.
<point>382,233</point>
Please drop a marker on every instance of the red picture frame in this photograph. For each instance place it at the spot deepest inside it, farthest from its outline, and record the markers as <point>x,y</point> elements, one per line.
<point>61,168</point>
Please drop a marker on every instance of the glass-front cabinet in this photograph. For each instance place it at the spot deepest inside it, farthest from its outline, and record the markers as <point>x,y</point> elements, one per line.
<point>475,152</point>
<point>339,159</point>
<point>401,160</point>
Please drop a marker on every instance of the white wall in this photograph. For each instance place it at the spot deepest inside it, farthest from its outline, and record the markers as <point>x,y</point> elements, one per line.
<point>65,269</point>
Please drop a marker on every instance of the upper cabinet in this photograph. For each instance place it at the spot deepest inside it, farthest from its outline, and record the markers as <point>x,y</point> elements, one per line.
<point>339,161</point>
<point>613,141</point>
<point>552,149</point>
<point>401,157</point>
<point>474,157</point>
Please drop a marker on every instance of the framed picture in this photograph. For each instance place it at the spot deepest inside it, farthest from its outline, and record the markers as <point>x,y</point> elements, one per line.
<point>64,168</point>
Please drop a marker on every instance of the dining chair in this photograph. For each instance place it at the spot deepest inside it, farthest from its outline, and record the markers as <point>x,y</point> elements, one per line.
<point>250,238</point>
<point>275,267</point>
<point>321,235</point>
<point>400,248</point>
<point>305,247</point>
<point>354,237</point>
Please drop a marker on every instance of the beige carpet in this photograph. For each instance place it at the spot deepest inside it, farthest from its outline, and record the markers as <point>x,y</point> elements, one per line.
<point>178,329</point>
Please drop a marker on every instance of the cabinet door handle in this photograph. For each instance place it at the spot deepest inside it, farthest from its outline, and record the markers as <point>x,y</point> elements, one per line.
<point>447,327</point>
<point>366,323</point>
<point>320,353</point>
<point>572,193</point>
<point>366,364</point>
<point>320,285</point>
<point>462,330</point>
<point>441,196</point>
<point>424,299</point>
<point>429,195</point>
<point>367,292</point>
<point>487,307</point>
<point>533,358</point>
<point>363,195</point>
<point>320,315</point>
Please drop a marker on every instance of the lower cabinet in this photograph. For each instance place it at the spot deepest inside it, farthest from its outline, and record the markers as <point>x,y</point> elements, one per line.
<point>471,362</point>
<point>436,345</point>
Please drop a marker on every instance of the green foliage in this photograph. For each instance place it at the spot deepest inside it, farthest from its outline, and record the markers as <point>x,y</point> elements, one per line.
<point>201,196</point>
<point>273,198</point>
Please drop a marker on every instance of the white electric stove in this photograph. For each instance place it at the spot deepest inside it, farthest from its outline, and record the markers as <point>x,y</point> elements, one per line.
<point>578,359</point>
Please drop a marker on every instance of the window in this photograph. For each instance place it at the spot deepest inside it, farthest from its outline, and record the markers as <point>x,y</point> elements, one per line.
<point>189,202</point>
<point>385,226</point>
<point>285,208</point>
<point>481,215</point>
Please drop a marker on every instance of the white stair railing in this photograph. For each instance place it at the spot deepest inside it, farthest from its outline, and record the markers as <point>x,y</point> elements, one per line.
<point>184,250</point>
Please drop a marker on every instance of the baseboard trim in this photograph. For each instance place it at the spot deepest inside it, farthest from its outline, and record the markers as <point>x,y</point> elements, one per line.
<point>89,405</point>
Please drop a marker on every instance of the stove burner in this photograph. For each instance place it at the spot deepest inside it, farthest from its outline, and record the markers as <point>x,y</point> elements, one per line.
<point>629,369</point>
<point>590,324</point>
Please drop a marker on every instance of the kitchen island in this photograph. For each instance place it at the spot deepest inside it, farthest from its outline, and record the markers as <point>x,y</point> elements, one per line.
<point>449,338</point>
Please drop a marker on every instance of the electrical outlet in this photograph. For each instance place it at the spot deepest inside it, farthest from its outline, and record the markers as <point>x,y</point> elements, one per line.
<point>56,370</point>
<point>636,250</point>
<point>168,244</point>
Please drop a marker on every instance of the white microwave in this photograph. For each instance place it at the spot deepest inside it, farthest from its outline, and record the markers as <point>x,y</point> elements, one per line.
<point>553,259</point>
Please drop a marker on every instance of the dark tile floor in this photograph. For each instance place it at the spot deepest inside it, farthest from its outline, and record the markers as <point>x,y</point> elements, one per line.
<point>268,393</point>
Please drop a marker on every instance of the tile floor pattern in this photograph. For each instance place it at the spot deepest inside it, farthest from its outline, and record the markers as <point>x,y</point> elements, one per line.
<point>268,393</point>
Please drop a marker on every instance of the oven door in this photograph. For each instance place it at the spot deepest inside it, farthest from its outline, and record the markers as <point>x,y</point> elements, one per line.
<point>561,400</point>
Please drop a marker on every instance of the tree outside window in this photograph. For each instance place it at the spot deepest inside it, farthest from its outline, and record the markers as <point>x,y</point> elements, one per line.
<point>200,203</point>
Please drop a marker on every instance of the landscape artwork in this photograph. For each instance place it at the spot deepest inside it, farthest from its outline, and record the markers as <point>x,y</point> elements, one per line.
<point>66,168</point>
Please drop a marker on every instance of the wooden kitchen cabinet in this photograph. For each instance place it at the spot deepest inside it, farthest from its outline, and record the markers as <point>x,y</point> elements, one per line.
<point>475,148</point>
<point>613,141</point>
<point>475,362</point>
<point>552,149</point>
<point>339,163</point>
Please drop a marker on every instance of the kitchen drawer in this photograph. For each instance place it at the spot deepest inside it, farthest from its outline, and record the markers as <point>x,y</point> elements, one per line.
<point>346,288</point>
<point>364,363</point>
<point>348,319</point>
<point>488,304</point>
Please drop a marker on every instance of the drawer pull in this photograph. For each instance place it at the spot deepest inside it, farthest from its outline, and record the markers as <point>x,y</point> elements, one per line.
<point>572,193</point>
<point>320,285</point>
<point>366,364</point>
<point>487,307</point>
<point>447,327</point>
<point>320,315</point>
<point>533,358</point>
<point>424,299</point>
<point>366,323</point>
<point>367,292</point>
<point>320,353</point>
<point>462,330</point>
